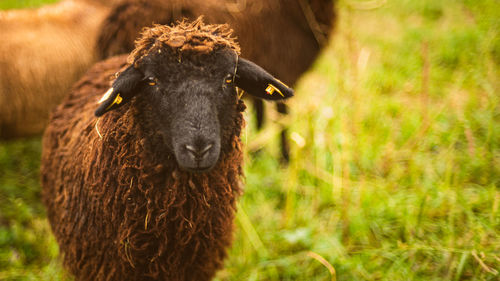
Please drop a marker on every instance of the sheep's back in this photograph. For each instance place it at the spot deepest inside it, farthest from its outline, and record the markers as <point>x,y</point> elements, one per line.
<point>42,53</point>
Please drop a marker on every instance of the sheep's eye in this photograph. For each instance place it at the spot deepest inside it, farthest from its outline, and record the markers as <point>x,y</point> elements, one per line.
<point>228,79</point>
<point>151,81</point>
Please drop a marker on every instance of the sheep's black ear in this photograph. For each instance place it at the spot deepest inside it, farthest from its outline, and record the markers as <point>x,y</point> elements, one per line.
<point>257,82</point>
<point>122,91</point>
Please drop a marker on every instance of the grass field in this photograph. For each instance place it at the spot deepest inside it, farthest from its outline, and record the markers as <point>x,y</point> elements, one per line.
<point>17,4</point>
<point>396,159</point>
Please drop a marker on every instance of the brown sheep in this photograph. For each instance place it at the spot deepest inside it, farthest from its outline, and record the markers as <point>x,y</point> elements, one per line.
<point>148,190</point>
<point>42,53</point>
<point>283,36</point>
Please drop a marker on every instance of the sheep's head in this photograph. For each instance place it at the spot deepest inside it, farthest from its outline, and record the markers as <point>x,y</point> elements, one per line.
<point>188,74</point>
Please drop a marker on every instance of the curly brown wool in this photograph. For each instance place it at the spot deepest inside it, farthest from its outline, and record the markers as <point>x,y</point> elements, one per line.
<point>119,205</point>
<point>184,37</point>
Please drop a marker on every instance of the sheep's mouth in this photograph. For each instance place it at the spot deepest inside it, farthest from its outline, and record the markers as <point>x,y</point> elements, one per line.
<point>198,170</point>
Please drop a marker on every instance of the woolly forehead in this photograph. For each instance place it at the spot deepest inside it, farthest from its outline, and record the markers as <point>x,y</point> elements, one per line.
<point>184,39</point>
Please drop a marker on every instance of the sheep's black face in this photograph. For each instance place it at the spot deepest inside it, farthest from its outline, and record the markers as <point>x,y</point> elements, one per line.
<point>195,100</point>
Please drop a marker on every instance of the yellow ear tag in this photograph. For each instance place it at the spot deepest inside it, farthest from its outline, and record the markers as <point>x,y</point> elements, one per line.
<point>152,83</point>
<point>117,100</point>
<point>106,95</point>
<point>271,89</point>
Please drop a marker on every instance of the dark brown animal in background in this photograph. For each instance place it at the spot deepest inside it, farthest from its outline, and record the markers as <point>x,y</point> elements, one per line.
<point>42,53</point>
<point>283,36</point>
<point>148,190</point>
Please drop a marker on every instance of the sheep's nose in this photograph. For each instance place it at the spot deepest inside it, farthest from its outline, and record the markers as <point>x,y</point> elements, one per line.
<point>198,152</point>
<point>198,155</point>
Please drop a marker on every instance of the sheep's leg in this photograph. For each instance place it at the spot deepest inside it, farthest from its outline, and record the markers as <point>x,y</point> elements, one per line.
<point>260,116</point>
<point>259,112</point>
<point>258,105</point>
<point>285,146</point>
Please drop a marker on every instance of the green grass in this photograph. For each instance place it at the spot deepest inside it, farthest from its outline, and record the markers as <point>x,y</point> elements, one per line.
<point>396,160</point>
<point>18,4</point>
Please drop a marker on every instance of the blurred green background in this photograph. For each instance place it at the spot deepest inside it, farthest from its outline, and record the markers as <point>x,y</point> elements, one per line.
<point>396,159</point>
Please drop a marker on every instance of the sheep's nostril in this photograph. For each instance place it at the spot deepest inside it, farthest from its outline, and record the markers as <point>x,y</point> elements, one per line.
<point>191,150</point>
<point>198,153</point>
<point>205,150</point>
